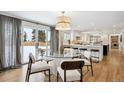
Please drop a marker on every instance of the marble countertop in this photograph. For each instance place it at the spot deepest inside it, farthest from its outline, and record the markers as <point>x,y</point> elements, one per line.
<point>87,46</point>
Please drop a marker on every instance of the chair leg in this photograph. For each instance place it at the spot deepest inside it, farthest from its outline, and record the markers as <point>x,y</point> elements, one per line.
<point>57,76</point>
<point>49,75</point>
<point>92,70</point>
<point>81,80</point>
<point>27,76</point>
<point>81,76</point>
<point>26,79</point>
<point>87,68</point>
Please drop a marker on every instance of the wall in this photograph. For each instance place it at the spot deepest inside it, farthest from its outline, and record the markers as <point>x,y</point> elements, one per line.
<point>105,39</point>
<point>84,37</point>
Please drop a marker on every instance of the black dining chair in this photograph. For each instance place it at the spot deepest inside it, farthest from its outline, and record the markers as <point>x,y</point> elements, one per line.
<point>87,60</point>
<point>69,70</point>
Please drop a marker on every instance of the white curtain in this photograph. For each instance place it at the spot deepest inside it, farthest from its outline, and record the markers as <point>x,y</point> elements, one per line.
<point>54,41</point>
<point>10,29</point>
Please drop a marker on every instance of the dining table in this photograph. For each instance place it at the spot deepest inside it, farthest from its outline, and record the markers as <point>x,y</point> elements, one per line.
<point>57,59</point>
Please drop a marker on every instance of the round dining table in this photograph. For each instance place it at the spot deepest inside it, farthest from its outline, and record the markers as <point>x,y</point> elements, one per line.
<point>58,59</point>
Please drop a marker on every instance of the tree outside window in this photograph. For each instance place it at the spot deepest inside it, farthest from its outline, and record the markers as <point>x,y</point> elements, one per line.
<point>25,36</point>
<point>41,36</point>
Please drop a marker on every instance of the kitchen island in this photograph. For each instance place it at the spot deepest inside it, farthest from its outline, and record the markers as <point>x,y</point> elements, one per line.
<point>89,48</point>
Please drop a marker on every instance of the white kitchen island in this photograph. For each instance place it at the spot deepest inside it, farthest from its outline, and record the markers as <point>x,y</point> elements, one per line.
<point>89,47</point>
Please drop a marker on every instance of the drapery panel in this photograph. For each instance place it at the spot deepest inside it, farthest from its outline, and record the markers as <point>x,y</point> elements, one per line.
<point>54,41</point>
<point>10,30</point>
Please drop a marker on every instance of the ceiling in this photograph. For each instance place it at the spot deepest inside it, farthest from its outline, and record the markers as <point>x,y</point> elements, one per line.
<point>80,20</point>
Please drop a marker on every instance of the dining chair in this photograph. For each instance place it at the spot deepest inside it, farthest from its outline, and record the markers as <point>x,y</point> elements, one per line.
<point>88,61</point>
<point>36,66</point>
<point>95,55</point>
<point>69,70</point>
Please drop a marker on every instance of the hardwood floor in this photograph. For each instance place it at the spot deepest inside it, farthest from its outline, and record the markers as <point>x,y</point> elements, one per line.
<point>111,69</point>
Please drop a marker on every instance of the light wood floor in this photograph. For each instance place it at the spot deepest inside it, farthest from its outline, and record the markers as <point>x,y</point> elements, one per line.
<point>111,69</point>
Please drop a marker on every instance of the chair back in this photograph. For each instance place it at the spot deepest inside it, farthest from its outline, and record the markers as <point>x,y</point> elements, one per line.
<point>31,58</point>
<point>71,65</point>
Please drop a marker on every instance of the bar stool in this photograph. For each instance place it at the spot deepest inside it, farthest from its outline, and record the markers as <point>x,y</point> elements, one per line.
<point>95,55</point>
<point>82,50</point>
<point>76,50</point>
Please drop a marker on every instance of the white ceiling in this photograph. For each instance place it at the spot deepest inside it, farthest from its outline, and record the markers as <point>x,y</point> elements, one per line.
<point>80,20</point>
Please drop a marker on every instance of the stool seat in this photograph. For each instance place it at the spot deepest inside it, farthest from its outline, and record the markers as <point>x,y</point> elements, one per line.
<point>95,50</point>
<point>95,55</point>
<point>83,49</point>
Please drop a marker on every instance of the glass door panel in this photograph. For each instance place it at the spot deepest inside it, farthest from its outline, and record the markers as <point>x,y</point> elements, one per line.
<point>41,40</point>
<point>28,43</point>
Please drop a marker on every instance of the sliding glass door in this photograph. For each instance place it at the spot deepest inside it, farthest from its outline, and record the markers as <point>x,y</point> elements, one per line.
<point>43,40</point>
<point>28,43</point>
<point>32,39</point>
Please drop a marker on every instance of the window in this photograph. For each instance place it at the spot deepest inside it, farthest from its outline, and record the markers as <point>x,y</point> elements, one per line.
<point>28,43</point>
<point>33,37</point>
<point>67,38</point>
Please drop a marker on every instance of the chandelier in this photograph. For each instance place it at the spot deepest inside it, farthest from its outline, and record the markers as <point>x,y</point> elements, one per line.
<point>63,22</point>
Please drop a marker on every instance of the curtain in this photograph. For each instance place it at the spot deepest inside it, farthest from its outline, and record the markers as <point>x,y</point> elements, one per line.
<point>54,41</point>
<point>10,30</point>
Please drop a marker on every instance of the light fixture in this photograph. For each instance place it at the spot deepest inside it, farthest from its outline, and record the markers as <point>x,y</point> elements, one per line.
<point>63,23</point>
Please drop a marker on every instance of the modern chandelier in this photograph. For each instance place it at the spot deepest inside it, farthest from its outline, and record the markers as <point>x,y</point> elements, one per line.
<point>63,22</point>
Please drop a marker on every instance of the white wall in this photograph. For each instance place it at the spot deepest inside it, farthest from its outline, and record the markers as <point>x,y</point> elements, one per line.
<point>105,39</point>
<point>85,36</point>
